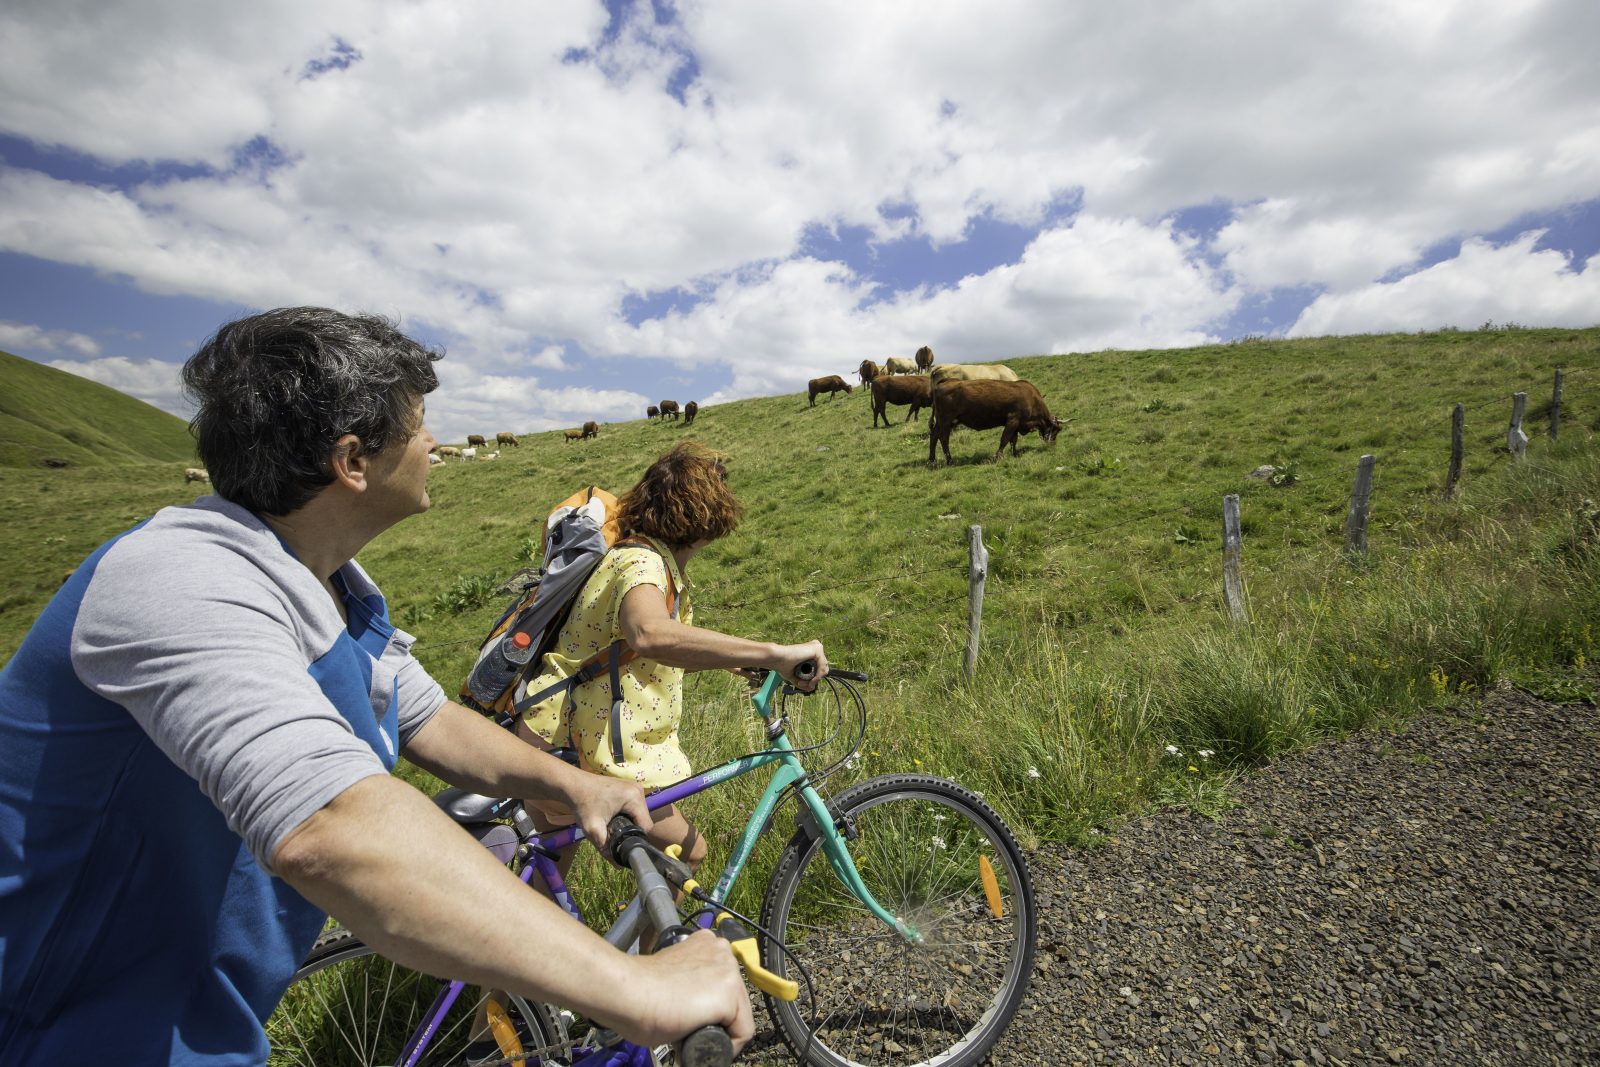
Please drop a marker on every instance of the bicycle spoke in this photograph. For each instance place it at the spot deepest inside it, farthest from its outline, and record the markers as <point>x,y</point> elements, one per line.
<point>884,1000</point>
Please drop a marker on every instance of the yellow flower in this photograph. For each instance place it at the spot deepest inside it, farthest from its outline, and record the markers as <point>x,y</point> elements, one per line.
<point>1193,769</point>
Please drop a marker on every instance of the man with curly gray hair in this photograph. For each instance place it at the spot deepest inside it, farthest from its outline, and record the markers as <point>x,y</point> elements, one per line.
<point>196,738</point>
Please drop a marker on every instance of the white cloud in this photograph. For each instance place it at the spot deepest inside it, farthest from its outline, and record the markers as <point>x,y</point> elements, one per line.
<point>463,171</point>
<point>1512,283</point>
<point>25,337</point>
<point>469,401</point>
<point>154,381</point>
<point>1098,283</point>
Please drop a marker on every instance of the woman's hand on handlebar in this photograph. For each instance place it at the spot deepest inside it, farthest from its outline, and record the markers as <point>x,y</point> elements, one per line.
<point>694,983</point>
<point>790,659</point>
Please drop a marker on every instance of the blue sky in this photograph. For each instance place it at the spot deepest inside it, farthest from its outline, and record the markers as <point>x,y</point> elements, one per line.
<point>595,206</point>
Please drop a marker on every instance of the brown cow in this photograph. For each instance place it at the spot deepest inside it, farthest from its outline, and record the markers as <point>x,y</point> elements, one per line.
<point>912,389</point>
<point>475,440</point>
<point>690,410</point>
<point>506,437</point>
<point>651,412</point>
<point>591,429</point>
<point>868,371</point>
<point>831,385</point>
<point>573,435</point>
<point>924,357</point>
<point>669,409</point>
<point>1015,406</point>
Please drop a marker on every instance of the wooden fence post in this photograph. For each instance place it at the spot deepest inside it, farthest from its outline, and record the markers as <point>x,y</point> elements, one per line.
<point>1516,440</point>
<point>976,575</point>
<point>1458,419</point>
<point>1232,579</point>
<point>1355,525</point>
<point>1555,406</point>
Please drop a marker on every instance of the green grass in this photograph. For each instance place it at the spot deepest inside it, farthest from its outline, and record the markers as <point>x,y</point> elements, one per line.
<point>50,414</point>
<point>1104,634</point>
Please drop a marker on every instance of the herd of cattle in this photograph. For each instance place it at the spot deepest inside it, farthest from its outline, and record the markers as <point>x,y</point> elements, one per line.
<point>668,409</point>
<point>980,396</point>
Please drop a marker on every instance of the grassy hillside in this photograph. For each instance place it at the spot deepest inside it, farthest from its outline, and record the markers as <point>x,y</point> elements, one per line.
<point>1104,637</point>
<point>50,414</point>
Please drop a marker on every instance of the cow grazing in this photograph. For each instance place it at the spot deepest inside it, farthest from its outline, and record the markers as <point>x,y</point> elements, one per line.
<point>506,437</point>
<point>971,372</point>
<point>669,409</point>
<point>475,440</point>
<point>573,435</point>
<point>591,429</point>
<point>924,358</point>
<point>896,365</point>
<point>1016,407</point>
<point>690,410</point>
<point>195,474</point>
<point>651,412</point>
<point>832,385</point>
<point>911,390</point>
<point>867,371</point>
<point>449,450</point>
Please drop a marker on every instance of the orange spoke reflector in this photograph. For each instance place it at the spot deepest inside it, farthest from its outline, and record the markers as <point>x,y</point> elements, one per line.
<point>991,885</point>
<point>505,1035</point>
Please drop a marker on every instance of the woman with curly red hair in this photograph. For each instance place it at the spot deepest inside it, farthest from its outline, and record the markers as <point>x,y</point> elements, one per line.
<point>638,594</point>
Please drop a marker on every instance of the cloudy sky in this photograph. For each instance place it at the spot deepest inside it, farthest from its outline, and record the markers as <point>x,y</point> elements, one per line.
<point>593,206</point>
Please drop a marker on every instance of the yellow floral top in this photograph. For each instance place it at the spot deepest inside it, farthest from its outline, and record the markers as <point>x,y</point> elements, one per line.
<point>652,692</point>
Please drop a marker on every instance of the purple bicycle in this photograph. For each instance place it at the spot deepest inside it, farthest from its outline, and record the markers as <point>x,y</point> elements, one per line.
<point>901,910</point>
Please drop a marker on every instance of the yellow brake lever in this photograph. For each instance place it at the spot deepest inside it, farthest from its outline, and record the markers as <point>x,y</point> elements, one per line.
<point>743,943</point>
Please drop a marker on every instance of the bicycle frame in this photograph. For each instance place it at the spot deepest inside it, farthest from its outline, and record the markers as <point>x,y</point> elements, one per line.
<point>789,771</point>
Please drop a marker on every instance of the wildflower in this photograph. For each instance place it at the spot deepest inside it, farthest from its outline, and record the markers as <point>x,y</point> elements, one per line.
<point>1193,769</point>
<point>916,761</point>
<point>1174,750</point>
<point>1033,772</point>
<point>1206,753</point>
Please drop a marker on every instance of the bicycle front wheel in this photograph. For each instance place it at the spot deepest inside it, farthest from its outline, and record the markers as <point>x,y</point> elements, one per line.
<point>937,857</point>
<point>349,1007</point>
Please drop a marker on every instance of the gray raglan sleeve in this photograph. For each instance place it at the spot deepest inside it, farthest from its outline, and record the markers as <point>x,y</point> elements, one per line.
<point>420,697</point>
<point>207,658</point>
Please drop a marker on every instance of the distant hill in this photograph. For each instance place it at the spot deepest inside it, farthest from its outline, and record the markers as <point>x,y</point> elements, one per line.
<point>50,414</point>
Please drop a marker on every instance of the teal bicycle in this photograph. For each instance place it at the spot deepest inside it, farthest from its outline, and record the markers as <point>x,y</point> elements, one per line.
<point>902,907</point>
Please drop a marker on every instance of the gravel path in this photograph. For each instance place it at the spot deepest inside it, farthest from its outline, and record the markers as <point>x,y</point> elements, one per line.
<point>1431,896</point>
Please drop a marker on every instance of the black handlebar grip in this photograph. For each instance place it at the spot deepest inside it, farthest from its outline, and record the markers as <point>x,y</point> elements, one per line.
<point>708,1046</point>
<point>806,670</point>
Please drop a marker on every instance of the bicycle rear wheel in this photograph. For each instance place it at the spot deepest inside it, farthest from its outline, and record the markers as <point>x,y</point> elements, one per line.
<point>935,855</point>
<point>349,1006</point>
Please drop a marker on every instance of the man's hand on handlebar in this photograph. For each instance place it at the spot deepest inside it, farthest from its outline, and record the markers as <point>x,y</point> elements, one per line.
<point>689,985</point>
<point>595,798</point>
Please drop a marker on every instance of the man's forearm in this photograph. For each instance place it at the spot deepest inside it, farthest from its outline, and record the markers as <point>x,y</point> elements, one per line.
<point>465,749</point>
<point>385,862</point>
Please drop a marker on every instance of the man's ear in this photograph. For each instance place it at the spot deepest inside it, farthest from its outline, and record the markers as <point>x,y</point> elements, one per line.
<point>349,463</point>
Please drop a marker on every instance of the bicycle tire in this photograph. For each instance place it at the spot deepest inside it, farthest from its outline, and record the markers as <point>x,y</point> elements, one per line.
<point>349,1006</point>
<point>882,1001</point>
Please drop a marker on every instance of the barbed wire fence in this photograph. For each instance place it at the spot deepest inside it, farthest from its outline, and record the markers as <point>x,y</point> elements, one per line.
<point>1233,585</point>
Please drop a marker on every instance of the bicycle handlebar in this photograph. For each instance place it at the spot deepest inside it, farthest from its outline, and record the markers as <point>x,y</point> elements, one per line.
<point>710,1045</point>
<point>806,670</point>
